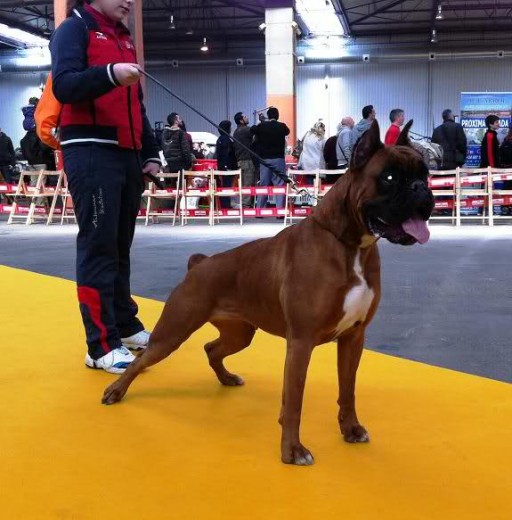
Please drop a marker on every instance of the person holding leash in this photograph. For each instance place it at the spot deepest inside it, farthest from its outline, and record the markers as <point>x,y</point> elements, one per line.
<point>108,145</point>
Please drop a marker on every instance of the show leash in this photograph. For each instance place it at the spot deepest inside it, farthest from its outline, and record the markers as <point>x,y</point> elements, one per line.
<point>282,175</point>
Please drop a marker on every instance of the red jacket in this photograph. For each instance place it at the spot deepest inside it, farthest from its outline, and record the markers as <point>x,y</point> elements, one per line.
<point>392,135</point>
<point>95,107</point>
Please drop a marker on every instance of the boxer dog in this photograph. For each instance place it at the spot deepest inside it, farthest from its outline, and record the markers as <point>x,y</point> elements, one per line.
<point>313,283</point>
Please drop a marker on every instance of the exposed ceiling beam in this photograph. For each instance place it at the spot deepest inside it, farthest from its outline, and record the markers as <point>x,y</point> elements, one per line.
<point>379,10</point>
<point>342,15</point>
<point>23,26</point>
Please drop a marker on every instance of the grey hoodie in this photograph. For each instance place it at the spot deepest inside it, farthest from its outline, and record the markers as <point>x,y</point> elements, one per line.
<point>361,128</point>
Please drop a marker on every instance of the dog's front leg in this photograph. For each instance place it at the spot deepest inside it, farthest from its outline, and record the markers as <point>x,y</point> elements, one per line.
<point>350,348</point>
<point>298,355</point>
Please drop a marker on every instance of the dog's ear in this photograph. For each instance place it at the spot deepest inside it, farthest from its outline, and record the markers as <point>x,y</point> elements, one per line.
<point>366,147</point>
<point>403,138</point>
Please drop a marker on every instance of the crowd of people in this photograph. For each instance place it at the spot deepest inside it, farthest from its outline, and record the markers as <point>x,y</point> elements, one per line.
<point>31,149</point>
<point>267,139</point>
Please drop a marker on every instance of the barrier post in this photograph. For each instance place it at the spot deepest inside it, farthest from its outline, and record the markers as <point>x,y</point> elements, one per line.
<point>457,197</point>
<point>490,195</point>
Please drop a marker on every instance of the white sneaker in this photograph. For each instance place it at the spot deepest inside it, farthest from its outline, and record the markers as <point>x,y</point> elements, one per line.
<point>137,341</point>
<point>115,362</point>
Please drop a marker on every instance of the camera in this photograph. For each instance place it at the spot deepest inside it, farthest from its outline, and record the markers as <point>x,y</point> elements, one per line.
<point>301,60</point>
<point>431,56</point>
<point>500,54</point>
<point>174,64</point>
<point>366,58</point>
<point>239,62</point>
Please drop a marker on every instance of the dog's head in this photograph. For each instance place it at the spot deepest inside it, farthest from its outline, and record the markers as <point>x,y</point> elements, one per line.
<point>393,199</point>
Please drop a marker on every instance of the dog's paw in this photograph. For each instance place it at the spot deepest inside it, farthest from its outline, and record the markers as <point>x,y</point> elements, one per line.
<point>298,455</point>
<point>231,380</point>
<point>113,394</point>
<point>356,434</point>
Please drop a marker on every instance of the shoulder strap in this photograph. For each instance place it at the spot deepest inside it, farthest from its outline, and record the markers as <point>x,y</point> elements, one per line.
<point>341,149</point>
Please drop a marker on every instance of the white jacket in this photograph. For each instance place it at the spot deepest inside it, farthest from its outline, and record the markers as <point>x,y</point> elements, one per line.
<point>312,156</point>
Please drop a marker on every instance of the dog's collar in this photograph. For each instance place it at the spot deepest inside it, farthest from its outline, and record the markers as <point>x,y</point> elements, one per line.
<point>367,241</point>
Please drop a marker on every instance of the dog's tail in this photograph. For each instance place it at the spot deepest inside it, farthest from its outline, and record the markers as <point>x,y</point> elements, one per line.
<point>195,259</point>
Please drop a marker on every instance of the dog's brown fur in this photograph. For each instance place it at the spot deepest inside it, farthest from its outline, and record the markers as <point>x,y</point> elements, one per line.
<point>292,285</point>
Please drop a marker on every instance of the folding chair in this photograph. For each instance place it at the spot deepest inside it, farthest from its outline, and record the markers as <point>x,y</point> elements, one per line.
<point>505,195</point>
<point>34,194</point>
<point>322,186</point>
<point>292,198</point>
<point>191,195</point>
<point>153,194</point>
<point>449,180</point>
<point>469,177</point>
<point>234,192</point>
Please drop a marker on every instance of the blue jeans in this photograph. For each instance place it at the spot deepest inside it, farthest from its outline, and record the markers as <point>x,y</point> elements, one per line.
<point>267,178</point>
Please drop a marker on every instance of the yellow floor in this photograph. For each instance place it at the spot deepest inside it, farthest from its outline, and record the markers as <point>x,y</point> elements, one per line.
<point>182,447</point>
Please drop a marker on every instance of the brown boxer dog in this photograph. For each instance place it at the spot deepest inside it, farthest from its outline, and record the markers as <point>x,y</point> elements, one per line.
<point>312,283</point>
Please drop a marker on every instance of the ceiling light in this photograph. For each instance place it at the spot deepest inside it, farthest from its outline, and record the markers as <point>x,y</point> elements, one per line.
<point>439,15</point>
<point>189,31</point>
<point>172,25</point>
<point>21,38</point>
<point>262,26</point>
<point>433,38</point>
<point>204,47</point>
<point>320,17</point>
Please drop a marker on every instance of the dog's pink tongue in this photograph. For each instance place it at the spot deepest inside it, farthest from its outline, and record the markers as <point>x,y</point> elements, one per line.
<point>417,228</point>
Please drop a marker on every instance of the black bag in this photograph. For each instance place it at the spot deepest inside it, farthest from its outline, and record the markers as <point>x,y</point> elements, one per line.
<point>331,160</point>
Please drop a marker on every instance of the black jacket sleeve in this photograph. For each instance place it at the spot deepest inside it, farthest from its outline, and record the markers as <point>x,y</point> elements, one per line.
<point>286,129</point>
<point>150,149</point>
<point>12,154</point>
<point>461,140</point>
<point>73,80</point>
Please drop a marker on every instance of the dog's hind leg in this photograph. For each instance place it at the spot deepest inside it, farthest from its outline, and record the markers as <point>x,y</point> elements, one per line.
<point>186,310</point>
<point>234,337</point>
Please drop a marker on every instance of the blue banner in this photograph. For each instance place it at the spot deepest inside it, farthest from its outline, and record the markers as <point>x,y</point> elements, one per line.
<point>474,108</point>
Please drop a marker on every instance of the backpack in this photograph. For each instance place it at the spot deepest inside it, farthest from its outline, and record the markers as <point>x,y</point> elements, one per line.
<point>432,153</point>
<point>331,160</point>
<point>47,116</point>
<point>48,111</point>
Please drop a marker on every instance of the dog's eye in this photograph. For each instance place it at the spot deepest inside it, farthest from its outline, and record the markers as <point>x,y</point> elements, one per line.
<point>388,178</point>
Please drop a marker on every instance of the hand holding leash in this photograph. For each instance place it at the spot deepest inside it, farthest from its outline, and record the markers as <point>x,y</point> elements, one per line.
<point>127,73</point>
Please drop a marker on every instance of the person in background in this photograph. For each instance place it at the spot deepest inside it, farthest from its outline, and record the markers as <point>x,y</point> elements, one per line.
<point>506,150</point>
<point>196,150</point>
<point>345,142</point>
<point>175,145</point>
<point>506,156</point>
<point>7,158</point>
<point>490,150</point>
<point>312,156</point>
<point>108,146</point>
<point>369,116</point>
<point>226,159</point>
<point>397,118</point>
<point>183,127</point>
<point>29,122</point>
<point>271,138</point>
<point>243,157</point>
<point>452,139</point>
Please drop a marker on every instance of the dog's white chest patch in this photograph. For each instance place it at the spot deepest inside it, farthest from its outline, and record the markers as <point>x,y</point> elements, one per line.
<point>357,301</point>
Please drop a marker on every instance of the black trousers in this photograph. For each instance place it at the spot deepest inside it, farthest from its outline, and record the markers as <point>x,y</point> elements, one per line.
<point>106,184</point>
